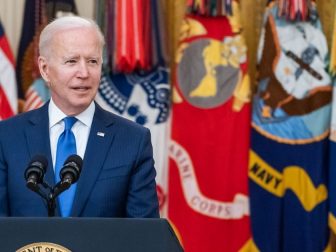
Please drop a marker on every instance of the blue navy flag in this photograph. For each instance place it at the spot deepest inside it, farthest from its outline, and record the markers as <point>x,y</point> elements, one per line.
<point>289,147</point>
<point>332,167</point>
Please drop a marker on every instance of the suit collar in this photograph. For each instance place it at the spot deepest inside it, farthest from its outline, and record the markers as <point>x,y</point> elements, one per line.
<point>39,115</point>
<point>100,139</point>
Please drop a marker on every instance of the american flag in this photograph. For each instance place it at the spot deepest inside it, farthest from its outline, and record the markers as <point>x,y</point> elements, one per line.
<point>37,94</point>
<point>8,89</point>
<point>33,100</point>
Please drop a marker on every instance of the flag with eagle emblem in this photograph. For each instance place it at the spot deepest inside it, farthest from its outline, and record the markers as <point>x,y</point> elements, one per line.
<point>208,202</point>
<point>290,125</point>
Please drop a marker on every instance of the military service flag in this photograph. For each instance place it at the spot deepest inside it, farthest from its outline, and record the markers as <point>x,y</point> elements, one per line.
<point>332,171</point>
<point>289,147</point>
<point>208,195</point>
<point>143,95</point>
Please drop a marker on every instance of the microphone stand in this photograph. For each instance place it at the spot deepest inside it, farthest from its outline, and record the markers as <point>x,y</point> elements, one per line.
<point>50,198</point>
<point>69,175</point>
<point>60,187</point>
<point>51,204</point>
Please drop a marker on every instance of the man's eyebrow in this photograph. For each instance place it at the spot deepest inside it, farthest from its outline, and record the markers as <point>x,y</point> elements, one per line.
<point>92,57</point>
<point>70,57</point>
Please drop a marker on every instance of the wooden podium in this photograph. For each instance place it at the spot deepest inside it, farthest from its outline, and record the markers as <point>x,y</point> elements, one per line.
<point>87,235</point>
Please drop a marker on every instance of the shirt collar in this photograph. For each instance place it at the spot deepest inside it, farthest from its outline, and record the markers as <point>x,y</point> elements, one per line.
<point>56,115</point>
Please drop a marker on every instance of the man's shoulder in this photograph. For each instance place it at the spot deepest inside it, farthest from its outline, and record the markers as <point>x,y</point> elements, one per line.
<point>20,119</point>
<point>121,122</point>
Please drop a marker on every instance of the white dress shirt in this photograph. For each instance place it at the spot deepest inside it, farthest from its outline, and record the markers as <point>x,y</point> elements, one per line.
<point>81,128</point>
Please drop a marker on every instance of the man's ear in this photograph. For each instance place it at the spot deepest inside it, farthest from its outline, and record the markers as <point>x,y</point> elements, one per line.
<point>43,67</point>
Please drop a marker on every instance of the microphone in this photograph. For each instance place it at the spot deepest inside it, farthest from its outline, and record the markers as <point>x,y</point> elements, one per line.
<point>35,172</point>
<point>71,170</point>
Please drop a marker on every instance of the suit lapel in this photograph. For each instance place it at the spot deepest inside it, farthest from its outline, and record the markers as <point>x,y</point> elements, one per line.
<point>99,142</point>
<point>38,140</point>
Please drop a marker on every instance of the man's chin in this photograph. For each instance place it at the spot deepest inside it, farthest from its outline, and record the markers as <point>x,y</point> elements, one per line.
<point>77,108</point>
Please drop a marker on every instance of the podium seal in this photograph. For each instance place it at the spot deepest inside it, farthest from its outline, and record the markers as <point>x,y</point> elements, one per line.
<point>43,247</point>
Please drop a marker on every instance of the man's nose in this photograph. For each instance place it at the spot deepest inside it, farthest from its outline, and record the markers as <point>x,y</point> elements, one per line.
<point>83,70</point>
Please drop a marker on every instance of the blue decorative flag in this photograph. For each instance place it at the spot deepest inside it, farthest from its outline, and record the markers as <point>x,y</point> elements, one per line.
<point>141,96</point>
<point>37,14</point>
<point>145,99</point>
<point>289,148</point>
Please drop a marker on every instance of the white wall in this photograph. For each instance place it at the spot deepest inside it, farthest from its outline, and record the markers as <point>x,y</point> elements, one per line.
<point>11,14</point>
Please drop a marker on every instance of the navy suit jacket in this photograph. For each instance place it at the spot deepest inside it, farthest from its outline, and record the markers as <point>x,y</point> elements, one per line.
<point>117,178</point>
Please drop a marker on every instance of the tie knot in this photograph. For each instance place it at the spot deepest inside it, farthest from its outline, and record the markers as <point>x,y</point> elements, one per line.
<point>69,122</point>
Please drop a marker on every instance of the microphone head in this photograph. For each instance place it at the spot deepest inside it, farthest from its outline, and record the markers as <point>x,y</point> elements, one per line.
<point>72,168</point>
<point>39,160</point>
<point>76,159</point>
<point>37,166</point>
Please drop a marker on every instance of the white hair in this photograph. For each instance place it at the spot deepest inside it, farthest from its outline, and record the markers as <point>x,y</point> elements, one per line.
<point>62,24</point>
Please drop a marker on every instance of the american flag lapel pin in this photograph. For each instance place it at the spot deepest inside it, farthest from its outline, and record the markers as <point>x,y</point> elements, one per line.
<point>101,134</point>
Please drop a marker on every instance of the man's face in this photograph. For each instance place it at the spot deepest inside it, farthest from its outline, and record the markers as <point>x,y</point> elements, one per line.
<point>73,68</point>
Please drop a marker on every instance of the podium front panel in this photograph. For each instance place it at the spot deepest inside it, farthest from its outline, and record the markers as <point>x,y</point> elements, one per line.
<point>89,234</point>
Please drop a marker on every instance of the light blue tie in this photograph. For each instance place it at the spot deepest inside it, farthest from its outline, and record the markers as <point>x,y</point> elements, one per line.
<point>66,146</point>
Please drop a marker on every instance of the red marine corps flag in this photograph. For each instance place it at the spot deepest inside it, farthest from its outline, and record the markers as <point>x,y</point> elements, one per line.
<point>8,91</point>
<point>208,201</point>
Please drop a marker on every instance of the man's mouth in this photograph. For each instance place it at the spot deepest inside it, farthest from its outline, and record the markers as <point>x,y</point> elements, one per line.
<point>81,88</point>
